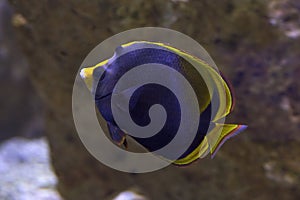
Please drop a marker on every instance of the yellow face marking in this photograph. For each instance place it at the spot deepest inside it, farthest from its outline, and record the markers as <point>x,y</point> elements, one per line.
<point>87,74</point>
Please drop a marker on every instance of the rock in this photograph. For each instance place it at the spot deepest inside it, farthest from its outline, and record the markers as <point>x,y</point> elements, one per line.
<point>129,195</point>
<point>25,170</point>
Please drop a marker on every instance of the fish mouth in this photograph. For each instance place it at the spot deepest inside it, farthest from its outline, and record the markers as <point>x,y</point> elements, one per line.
<point>82,73</point>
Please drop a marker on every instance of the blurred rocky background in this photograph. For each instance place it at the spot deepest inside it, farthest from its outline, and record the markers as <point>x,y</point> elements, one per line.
<point>256,43</point>
<point>21,108</point>
<point>25,169</point>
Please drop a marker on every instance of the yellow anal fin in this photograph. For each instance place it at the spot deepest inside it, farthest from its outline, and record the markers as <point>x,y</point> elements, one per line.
<point>201,151</point>
<point>228,131</point>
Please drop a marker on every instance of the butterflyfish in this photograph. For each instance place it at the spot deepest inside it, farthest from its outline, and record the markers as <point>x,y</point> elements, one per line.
<point>137,95</point>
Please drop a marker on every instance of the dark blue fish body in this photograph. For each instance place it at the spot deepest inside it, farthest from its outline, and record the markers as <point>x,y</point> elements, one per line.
<point>141,99</point>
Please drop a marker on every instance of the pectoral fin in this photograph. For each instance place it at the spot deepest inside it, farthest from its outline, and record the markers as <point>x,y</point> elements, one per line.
<point>116,134</point>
